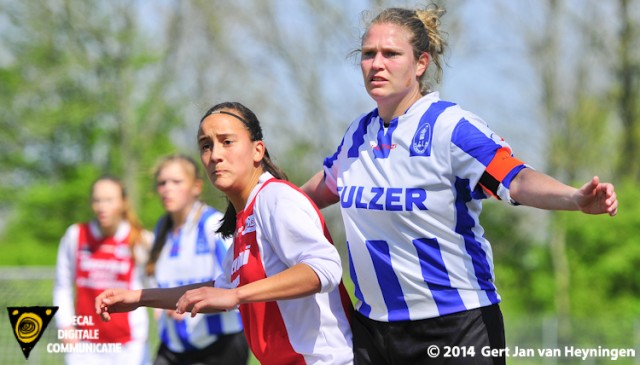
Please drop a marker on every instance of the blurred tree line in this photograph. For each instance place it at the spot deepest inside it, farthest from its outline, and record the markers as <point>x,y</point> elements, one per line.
<point>92,87</point>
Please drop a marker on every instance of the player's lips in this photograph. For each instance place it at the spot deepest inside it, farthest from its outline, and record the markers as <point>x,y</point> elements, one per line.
<point>102,217</point>
<point>377,80</point>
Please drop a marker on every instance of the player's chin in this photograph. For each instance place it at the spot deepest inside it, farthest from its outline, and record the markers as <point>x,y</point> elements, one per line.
<point>222,184</point>
<point>377,94</point>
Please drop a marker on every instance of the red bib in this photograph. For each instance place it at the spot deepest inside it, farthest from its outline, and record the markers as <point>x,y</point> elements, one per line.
<point>102,263</point>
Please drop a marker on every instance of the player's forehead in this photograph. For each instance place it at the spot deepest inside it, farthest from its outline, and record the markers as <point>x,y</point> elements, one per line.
<point>386,35</point>
<point>221,124</point>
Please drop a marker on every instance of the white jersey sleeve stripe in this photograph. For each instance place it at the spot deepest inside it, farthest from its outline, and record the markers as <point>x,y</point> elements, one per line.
<point>221,250</point>
<point>362,305</point>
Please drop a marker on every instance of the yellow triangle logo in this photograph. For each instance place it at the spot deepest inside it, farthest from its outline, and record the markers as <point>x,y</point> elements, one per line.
<point>28,325</point>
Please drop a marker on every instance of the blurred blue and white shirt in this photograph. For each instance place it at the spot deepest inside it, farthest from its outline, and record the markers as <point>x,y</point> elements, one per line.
<point>193,255</point>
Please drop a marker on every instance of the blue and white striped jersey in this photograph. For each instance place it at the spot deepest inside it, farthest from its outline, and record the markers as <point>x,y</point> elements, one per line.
<point>410,196</point>
<point>194,255</point>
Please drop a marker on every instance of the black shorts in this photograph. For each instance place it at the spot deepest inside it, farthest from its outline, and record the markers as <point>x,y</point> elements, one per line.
<point>228,349</point>
<point>458,338</point>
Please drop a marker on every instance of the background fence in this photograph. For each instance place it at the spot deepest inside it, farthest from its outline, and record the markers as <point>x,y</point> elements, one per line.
<point>26,286</point>
<point>32,286</point>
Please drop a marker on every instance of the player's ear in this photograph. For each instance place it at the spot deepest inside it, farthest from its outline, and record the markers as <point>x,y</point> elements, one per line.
<point>259,151</point>
<point>422,64</point>
<point>197,187</point>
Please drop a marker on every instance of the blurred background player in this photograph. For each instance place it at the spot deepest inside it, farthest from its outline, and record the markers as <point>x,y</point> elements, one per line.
<point>187,250</point>
<point>108,251</point>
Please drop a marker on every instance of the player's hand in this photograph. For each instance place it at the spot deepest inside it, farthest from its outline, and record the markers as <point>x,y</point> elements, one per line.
<point>174,315</point>
<point>115,301</point>
<point>595,197</point>
<point>207,300</point>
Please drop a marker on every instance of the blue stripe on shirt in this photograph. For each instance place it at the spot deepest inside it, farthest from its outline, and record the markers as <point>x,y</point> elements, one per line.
<point>384,139</point>
<point>214,324</point>
<point>183,335</point>
<point>328,162</point>
<point>164,333</point>
<point>473,142</point>
<point>435,274</point>
<point>202,242</point>
<point>388,280</point>
<point>464,227</point>
<point>506,182</point>
<point>358,135</point>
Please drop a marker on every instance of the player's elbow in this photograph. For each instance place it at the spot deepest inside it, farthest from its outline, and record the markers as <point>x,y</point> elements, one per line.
<point>329,273</point>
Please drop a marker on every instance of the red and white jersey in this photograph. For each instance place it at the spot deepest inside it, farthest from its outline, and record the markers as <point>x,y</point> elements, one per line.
<point>279,228</point>
<point>89,263</point>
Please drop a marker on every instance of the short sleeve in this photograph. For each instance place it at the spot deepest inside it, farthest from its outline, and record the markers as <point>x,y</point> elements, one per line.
<point>292,226</point>
<point>484,158</point>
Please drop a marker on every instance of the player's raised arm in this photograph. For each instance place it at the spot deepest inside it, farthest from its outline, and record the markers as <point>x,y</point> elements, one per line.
<point>538,190</point>
<point>124,300</point>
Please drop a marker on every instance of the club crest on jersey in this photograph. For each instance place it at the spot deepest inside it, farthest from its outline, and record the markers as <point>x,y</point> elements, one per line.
<point>421,143</point>
<point>249,225</point>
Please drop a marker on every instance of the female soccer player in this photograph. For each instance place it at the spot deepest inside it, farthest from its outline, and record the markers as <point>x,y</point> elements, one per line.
<point>187,250</point>
<point>108,251</point>
<point>282,271</point>
<point>410,176</point>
